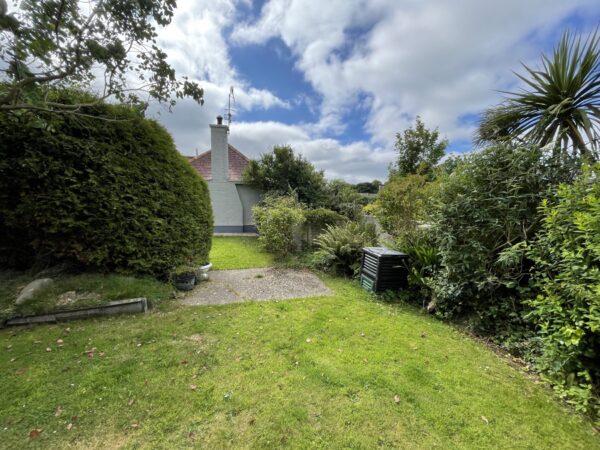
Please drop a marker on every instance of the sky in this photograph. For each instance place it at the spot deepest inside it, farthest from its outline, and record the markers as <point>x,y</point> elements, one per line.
<point>337,79</point>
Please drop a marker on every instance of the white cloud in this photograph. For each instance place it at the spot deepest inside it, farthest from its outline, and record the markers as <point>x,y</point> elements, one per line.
<point>438,59</point>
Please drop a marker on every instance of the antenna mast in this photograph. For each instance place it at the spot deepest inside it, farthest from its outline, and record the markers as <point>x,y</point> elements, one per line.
<point>231,97</point>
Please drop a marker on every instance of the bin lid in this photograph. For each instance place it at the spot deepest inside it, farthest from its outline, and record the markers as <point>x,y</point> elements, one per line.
<point>383,252</point>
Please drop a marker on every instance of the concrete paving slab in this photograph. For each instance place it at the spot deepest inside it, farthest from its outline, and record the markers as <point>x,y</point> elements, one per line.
<point>267,283</point>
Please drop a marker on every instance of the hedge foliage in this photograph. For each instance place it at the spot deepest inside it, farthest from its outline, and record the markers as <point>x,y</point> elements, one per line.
<point>276,220</point>
<point>566,277</point>
<point>106,194</point>
<point>487,205</point>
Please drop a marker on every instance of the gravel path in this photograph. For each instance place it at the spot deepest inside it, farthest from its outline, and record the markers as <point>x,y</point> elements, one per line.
<point>268,283</point>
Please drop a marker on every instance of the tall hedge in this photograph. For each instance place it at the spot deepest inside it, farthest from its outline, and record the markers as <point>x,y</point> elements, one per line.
<point>106,194</point>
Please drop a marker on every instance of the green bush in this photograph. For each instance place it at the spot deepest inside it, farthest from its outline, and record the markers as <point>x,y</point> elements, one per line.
<point>339,247</point>
<point>105,194</point>
<point>487,205</point>
<point>400,204</point>
<point>277,219</point>
<point>566,311</point>
<point>424,260</point>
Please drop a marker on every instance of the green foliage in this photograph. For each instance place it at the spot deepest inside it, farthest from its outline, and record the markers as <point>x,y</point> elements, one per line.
<point>283,173</point>
<point>419,150</point>
<point>108,194</point>
<point>401,203</point>
<point>88,289</point>
<point>339,247</point>
<point>424,260</point>
<point>485,207</point>
<point>369,187</point>
<point>343,198</point>
<point>566,311</point>
<point>277,219</point>
<point>321,217</point>
<point>60,43</point>
<point>562,105</point>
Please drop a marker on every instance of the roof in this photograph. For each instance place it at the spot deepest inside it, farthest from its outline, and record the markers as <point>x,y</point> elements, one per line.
<point>237,164</point>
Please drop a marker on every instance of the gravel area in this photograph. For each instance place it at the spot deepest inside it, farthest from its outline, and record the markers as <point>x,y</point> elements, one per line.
<point>268,283</point>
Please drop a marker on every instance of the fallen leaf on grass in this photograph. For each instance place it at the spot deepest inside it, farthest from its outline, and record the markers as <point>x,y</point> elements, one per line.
<point>69,427</point>
<point>193,387</point>
<point>20,371</point>
<point>58,412</point>
<point>191,436</point>
<point>13,359</point>
<point>131,402</point>
<point>135,425</point>
<point>35,433</point>
<point>485,419</point>
<point>396,399</point>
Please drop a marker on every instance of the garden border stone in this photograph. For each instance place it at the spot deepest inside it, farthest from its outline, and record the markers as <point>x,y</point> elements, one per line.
<point>128,306</point>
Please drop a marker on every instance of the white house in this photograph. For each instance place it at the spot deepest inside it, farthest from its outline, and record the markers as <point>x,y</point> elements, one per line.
<point>222,167</point>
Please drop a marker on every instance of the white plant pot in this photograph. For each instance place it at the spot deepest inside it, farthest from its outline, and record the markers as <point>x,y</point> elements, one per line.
<point>202,272</point>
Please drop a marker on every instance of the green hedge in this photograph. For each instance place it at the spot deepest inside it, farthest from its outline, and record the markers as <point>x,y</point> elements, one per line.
<point>106,194</point>
<point>566,278</point>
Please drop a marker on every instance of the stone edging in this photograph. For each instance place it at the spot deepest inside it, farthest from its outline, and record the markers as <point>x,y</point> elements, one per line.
<point>129,306</point>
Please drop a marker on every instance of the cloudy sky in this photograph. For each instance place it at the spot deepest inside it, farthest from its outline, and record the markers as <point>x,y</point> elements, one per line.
<point>337,79</point>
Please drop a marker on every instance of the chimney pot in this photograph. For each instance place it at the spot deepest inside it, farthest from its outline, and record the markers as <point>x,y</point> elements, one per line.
<point>219,120</point>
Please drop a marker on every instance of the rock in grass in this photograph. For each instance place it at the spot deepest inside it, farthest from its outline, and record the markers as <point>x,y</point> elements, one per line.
<point>32,289</point>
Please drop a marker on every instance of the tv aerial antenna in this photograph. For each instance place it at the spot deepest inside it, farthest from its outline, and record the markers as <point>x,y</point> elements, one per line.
<point>230,109</point>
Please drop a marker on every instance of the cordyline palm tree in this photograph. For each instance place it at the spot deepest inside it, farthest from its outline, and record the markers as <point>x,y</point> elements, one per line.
<point>561,105</point>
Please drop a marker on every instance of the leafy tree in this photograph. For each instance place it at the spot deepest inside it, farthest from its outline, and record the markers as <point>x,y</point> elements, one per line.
<point>281,172</point>
<point>343,198</point>
<point>371,187</point>
<point>50,43</point>
<point>560,105</point>
<point>419,149</point>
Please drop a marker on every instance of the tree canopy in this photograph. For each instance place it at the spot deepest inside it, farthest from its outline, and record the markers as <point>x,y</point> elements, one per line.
<point>107,45</point>
<point>419,149</point>
<point>282,172</point>
<point>560,103</point>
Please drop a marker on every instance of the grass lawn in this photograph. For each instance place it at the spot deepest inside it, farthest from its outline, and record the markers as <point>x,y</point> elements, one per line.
<point>324,372</point>
<point>230,252</point>
<point>94,289</point>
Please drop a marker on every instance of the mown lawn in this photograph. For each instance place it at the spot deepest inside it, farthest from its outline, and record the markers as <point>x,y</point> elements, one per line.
<point>231,252</point>
<point>324,372</point>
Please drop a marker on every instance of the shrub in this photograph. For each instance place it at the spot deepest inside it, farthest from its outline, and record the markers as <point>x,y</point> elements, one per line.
<point>566,311</point>
<point>344,199</point>
<point>482,209</point>
<point>105,194</point>
<point>424,260</point>
<point>339,247</point>
<point>400,204</point>
<point>277,219</point>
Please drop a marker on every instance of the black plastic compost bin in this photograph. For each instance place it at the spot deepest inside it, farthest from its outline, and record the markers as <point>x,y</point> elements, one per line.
<point>382,269</point>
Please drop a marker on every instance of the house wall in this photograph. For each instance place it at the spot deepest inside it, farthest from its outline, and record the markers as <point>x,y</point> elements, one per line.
<point>227,207</point>
<point>249,197</point>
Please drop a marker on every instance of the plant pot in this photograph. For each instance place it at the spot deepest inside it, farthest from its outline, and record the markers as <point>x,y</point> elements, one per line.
<point>202,272</point>
<point>185,281</point>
